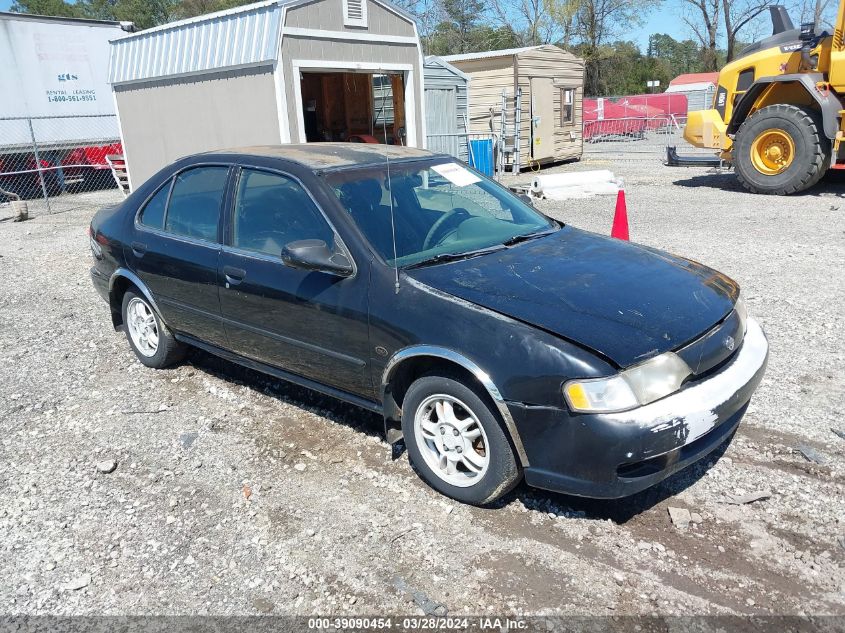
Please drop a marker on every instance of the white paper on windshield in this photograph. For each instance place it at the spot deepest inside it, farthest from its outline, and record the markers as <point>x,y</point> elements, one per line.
<point>456,174</point>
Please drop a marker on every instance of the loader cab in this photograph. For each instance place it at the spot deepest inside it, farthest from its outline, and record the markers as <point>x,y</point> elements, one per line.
<point>784,35</point>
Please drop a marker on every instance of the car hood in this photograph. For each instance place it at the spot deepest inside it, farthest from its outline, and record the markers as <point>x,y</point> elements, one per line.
<point>625,301</point>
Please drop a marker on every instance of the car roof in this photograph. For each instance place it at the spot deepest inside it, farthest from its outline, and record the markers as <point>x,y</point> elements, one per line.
<point>318,156</point>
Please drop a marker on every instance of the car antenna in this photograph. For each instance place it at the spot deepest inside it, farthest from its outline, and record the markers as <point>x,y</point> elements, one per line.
<point>389,186</point>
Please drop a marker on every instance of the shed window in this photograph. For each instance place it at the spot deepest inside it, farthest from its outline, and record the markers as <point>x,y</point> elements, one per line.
<point>567,107</point>
<point>355,13</point>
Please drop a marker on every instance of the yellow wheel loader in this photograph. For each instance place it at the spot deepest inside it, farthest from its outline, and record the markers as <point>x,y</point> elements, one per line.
<point>777,114</point>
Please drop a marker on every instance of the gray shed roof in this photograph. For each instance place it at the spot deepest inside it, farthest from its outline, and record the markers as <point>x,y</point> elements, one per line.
<point>504,52</point>
<point>439,61</point>
<point>244,36</point>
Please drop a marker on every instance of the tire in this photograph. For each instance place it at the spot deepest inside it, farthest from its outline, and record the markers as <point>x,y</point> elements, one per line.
<point>810,152</point>
<point>148,336</point>
<point>432,438</point>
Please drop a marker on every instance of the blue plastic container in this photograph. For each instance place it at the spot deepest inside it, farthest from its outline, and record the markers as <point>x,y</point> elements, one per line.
<point>481,156</point>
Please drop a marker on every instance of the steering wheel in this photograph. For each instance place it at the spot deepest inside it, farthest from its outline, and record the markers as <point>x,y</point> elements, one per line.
<point>458,213</point>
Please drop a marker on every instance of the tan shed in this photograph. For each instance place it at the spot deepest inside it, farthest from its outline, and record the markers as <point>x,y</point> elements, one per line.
<point>547,126</point>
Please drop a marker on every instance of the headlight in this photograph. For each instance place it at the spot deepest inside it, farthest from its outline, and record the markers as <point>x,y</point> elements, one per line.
<point>631,388</point>
<point>742,312</point>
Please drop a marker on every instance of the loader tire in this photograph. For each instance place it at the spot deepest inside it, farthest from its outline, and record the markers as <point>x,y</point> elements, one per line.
<point>781,149</point>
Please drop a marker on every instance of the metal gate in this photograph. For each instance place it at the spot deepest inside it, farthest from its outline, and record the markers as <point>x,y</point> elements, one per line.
<point>441,119</point>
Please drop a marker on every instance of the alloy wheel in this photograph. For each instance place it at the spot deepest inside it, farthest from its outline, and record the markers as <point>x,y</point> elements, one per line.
<point>451,440</point>
<point>143,328</point>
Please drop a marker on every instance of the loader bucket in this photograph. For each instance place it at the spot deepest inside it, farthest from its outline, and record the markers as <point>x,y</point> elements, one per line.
<point>673,159</point>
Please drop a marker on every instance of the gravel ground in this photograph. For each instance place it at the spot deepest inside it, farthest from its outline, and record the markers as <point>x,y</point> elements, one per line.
<point>230,493</point>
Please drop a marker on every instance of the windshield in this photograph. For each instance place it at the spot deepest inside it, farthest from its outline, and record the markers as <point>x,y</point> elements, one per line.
<point>440,209</point>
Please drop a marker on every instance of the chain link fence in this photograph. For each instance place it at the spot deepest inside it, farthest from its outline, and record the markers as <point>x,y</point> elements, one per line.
<point>638,127</point>
<point>45,158</point>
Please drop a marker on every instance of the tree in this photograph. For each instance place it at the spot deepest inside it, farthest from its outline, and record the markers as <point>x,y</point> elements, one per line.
<point>703,20</point>
<point>737,15</point>
<point>97,9</point>
<point>527,20</point>
<point>445,40</point>
<point>193,8</point>
<point>45,7</point>
<point>561,15</point>
<point>596,22</point>
<point>428,14</point>
<point>462,18</point>
<point>677,57</point>
<point>819,12</point>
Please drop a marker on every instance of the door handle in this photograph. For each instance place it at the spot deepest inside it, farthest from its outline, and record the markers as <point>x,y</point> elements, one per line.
<point>139,249</point>
<point>234,276</point>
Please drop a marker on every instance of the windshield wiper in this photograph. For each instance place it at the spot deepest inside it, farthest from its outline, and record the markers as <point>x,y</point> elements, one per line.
<point>450,257</point>
<point>516,239</point>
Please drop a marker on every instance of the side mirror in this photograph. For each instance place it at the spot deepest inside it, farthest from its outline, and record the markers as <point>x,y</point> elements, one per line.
<point>315,255</point>
<point>526,199</point>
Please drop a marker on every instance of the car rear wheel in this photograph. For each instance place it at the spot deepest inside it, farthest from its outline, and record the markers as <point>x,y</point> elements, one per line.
<point>455,440</point>
<point>153,344</point>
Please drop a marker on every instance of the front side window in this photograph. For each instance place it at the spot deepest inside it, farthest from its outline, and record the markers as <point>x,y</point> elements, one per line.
<point>195,202</point>
<point>272,210</point>
<point>434,209</point>
<point>152,215</point>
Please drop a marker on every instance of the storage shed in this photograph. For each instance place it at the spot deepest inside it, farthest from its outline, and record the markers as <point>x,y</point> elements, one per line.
<point>273,72</point>
<point>446,107</point>
<point>547,125</point>
<point>698,88</point>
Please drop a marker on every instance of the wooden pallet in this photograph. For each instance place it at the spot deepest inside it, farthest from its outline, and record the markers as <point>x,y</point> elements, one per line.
<point>117,164</point>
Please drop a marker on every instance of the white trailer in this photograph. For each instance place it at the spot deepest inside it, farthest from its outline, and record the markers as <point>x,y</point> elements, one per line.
<point>55,67</point>
<point>57,112</point>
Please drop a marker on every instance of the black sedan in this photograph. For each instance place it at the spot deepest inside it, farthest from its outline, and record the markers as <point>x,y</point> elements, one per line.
<point>497,342</point>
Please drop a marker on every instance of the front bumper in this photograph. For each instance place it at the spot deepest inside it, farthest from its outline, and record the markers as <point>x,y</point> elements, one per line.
<point>614,455</point>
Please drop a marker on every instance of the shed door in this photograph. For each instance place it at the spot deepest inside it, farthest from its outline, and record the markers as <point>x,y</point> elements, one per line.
<point>542,118</point>
<point>441,120</point>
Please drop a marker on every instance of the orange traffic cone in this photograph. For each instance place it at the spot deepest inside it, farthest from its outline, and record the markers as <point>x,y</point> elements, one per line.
<point>620,218</point>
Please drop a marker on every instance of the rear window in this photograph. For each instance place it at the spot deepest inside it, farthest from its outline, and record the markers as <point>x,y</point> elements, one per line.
<point>194,209</point>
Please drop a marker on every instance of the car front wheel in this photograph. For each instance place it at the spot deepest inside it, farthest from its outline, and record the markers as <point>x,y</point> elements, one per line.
<point>153,344</point>
<point>455,440</point>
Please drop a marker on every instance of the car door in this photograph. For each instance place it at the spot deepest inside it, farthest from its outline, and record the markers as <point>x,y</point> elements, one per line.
<point>312,324</point>
<point>175,250</point>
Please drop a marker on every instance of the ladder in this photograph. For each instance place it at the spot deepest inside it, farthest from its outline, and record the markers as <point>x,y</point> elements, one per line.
<point>117,164</point>
<point>510,123</point>
<point>470,153</point>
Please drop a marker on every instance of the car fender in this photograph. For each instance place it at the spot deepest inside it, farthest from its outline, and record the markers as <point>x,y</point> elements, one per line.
<point>414,351</point>
<point>136,281</point>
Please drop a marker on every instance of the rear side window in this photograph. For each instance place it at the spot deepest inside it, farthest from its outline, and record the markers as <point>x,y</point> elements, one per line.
<point>152,214</point>
<point>194,209</point>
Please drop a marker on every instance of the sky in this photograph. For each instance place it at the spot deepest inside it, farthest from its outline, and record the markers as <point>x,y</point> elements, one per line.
<point>664,20</point>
